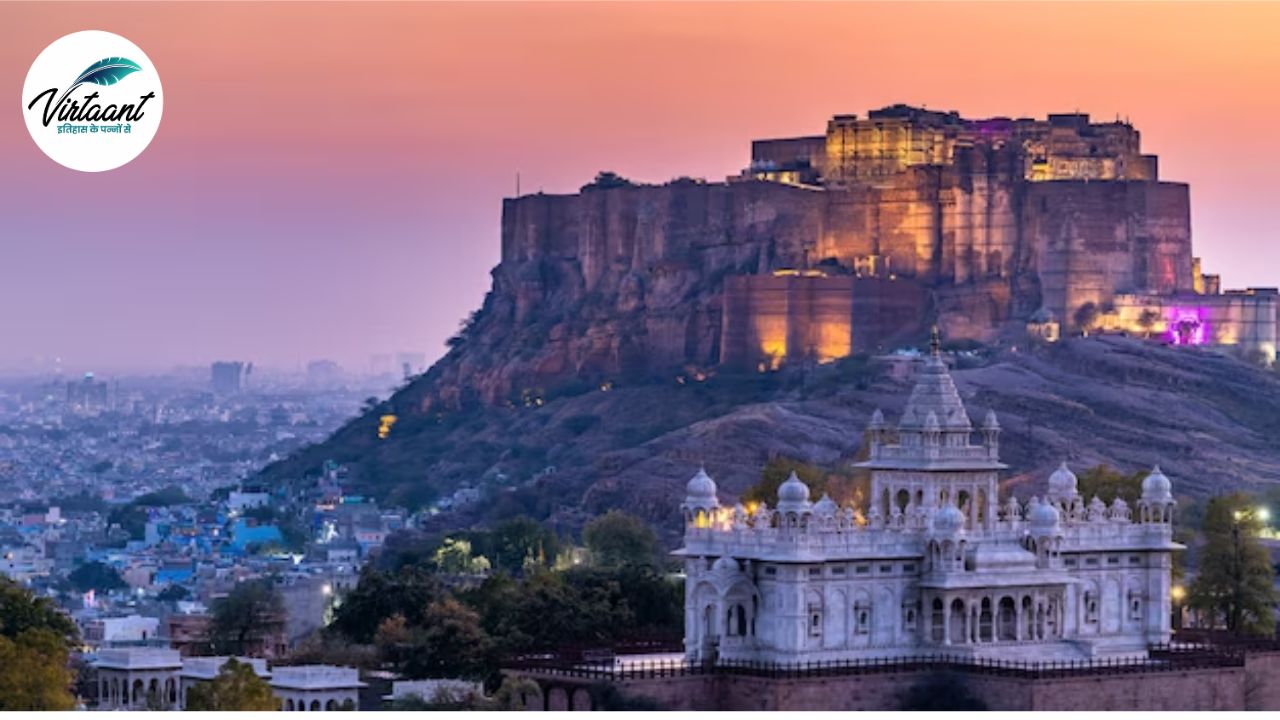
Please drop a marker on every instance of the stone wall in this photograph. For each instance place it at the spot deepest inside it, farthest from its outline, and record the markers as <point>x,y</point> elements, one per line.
<point>769,319</point>
<point>1203,689</point>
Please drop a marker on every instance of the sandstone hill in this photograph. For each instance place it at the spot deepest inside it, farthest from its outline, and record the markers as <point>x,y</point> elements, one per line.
<point>1212,422</point>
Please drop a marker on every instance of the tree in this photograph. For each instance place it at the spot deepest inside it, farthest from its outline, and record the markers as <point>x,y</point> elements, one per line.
<point>20,610</point>
<point>1236,579</point>
<point>246,620</point>
<point>450,643</point>
<point>381,595</point>
<point>96,576</point>
<point>521,542</point>
<point>617,539</point>
<point>845,488</point>
<point>1086,316</point>
<point>514,693</point>
<point>34,642</point>
<point>33,672</point>
<point>236,687</point>
<point>1108,483</point>
<point>173,593</point>
<point>454,557</point>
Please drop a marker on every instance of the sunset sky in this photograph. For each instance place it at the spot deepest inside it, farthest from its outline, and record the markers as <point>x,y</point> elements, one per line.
<point>327,179</point>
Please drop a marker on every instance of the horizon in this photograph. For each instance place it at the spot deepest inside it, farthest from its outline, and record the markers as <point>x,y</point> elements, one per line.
<point>288,222</point>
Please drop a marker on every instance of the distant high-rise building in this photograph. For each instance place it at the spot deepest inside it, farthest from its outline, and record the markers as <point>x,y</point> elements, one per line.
<point>87,395</point>
<point>323,372</point>
<point>228,377</point>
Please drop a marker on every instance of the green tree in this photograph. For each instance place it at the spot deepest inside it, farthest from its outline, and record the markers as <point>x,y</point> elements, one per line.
<point>247,619</point>
<point>380,595</point>
<point>95,576</point>
<point>34,674</point>
<point>236,687</point>
<point>617,539</point>
<point>776,471</point>
<point>34,642</point>
<point>454,557</point>
<point>450,643</point>
<point>20,610</point>
<point>514,693</point>
<point>1108,483</point>
<point>1236,580</point>
<point>519,543</point>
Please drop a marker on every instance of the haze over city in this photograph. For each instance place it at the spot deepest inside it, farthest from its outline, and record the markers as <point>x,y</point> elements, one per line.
<point>318,205</point>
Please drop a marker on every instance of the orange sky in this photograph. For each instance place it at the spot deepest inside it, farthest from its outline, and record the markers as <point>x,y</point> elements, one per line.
<point>368,146</point>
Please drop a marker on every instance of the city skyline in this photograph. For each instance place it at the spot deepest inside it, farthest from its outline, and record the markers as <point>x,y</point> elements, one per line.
<point>302,215</point>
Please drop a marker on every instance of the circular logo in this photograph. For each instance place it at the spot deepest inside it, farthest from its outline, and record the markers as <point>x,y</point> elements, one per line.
<point>92,101</point>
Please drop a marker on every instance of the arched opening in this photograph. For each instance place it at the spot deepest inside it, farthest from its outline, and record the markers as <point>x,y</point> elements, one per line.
<point>936,621</point>
<point>331,705</point>
<point>902,500</point>
<point>138,690</point>
<point>984,621</point>
<point>315,706</point>
<point>959,624</point>
<point>288,704</point>
<point>1008,622</point>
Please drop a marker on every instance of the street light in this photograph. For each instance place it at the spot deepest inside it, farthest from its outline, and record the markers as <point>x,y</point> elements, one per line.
<point>1263,514</point>
<point>1177,592</point>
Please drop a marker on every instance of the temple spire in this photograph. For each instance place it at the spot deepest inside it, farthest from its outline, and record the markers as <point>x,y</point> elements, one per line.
<point>935,343</point>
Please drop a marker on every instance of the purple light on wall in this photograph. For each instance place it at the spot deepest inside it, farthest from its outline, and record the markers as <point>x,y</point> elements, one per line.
<point>1187,326</point>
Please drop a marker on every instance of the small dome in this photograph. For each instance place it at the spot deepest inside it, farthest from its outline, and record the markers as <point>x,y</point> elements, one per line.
<point>1156,486</point>
<point>1042,515</point>
<point>931,422</point>
<point>826,506</point>
<point>877,420</point>
<point>700,489</point>
<point>948,519</point>
<point>793,491</point>
<point>725,564</point>
<point>1062,483</point>
<point>990,422</point>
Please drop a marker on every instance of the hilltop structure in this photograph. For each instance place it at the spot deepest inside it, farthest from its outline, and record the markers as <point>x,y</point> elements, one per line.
<point>938,564</point>
<point>847,242</point>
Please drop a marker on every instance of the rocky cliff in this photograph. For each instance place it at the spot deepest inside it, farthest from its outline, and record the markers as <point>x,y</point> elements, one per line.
<point>1209,420</point>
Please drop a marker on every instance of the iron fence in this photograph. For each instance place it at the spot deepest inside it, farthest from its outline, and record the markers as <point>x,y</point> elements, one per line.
<point>1163,658</point>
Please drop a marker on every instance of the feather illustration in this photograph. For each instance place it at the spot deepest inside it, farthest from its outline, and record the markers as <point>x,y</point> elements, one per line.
<point>107,71</point>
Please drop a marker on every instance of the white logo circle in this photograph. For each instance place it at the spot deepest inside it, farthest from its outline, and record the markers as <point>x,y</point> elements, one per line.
<point>92,101</point>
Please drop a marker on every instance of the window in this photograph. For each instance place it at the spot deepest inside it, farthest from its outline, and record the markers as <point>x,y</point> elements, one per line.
<point>1135,560</point>
<point>1135,608</point>
<point>840,570</point>
<point>815,571</point>
<point>1090,607</point>
<point>770,570</point>
<point>886,569</point>
<point>861,618</point>
<point>815,621</point>
<point>909,568</point>
<point>1069,562</point>
<point>1091,562</point>
<point>862,569</point>
<point>1113,561</point>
